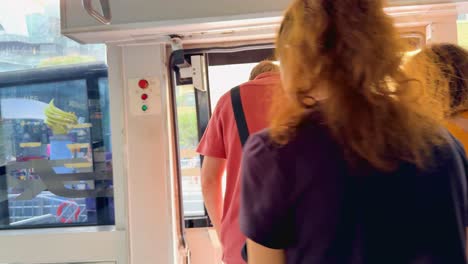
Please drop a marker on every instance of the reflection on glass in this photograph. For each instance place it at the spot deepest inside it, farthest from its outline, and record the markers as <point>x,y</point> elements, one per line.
<point>189,159</point>
<point>30,38</point>
<point>55,152</point>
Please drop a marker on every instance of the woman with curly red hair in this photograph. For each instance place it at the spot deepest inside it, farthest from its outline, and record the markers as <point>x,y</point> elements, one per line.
<point>444,68</point>
<point>355,166</point>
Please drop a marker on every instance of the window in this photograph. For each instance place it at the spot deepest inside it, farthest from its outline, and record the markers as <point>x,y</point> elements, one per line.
<point>462,26</point>
<point>55,150</point>
<point>229,69</point>
<point>224,77</point>
<point>225,71</point>
<point>189,160</point>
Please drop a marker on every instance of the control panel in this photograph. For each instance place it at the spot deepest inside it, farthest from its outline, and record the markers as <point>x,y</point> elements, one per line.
<point>144,95</point>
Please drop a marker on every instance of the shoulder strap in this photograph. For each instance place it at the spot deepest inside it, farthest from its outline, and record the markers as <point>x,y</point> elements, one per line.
<point>243,131</point>
<point>239,115</point>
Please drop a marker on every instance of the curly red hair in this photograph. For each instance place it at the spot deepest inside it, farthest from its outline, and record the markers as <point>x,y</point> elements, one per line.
<point>350,50</point>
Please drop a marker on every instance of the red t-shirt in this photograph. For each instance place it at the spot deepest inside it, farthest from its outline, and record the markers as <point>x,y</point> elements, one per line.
<point>221,140</point>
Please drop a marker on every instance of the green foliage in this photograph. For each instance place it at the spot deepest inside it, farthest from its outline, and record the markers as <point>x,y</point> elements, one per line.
<point>187,123</point>
<point>186,100</point>
<point>187,120</point>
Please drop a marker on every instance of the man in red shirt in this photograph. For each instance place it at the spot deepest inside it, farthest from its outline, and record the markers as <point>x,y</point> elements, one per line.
<point>222,149</point>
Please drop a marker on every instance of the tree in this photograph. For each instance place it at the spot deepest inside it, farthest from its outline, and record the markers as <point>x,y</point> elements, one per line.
<point>187,125</point>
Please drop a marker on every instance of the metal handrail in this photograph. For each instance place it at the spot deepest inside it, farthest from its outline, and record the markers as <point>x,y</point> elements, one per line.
<point>104,18</point>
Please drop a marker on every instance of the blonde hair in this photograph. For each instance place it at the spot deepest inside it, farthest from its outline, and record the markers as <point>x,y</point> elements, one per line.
<point>351,49</point>
<point>444,70</point>
<point>263,67</point>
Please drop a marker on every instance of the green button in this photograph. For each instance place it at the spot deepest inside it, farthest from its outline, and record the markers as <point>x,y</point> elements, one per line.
<point>144,107</point>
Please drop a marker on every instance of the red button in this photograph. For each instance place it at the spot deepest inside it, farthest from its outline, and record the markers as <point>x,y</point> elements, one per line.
<point>143,84</point>
<point>144,96</point>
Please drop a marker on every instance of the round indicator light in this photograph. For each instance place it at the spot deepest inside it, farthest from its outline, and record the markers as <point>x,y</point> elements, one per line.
<point>143,84</point>
<point>144,108</point>
<point>144,96</point>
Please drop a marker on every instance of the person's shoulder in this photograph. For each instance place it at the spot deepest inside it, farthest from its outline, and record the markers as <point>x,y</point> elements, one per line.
<point>260,145</point>
<point>454,147</point>
<point>225,99</point>
<point>224,104</point>
<point>259,141</point>
<point>312,129</point>
<point>447,156</point>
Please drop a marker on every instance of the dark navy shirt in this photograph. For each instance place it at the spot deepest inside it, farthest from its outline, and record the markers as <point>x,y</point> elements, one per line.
<point>302,197</point>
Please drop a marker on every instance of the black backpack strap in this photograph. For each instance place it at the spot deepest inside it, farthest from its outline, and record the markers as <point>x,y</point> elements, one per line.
<point>244,253</point>
<point>239,115</point>
<point>243,131</point>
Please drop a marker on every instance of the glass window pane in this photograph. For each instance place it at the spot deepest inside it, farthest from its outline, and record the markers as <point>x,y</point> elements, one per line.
<point>221,78</point>
<point>189,158</point>
<point>30,37</point>
<point>55,150</point>
<point>56,154</point>
<point>462,26</point>
<point>224,77</point>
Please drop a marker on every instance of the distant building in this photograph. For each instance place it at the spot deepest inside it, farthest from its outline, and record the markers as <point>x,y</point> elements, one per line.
<point>43,41</point>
